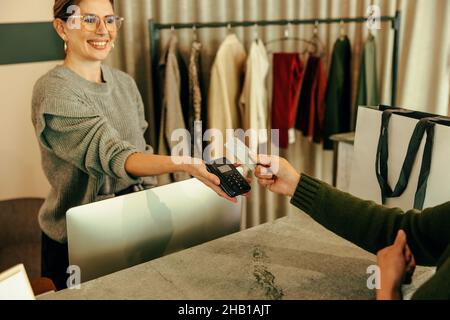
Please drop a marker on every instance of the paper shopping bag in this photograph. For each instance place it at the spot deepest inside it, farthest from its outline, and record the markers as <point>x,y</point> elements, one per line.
<point>401,158</point>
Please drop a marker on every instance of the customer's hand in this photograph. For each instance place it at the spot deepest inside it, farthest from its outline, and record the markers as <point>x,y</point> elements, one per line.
<point>277,174</point>
<point>198,170</point>
<point>396,264</point>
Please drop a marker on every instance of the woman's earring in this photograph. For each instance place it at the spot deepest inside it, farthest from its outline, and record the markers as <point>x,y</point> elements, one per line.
<point>65,46</point>
<point>113,45</point>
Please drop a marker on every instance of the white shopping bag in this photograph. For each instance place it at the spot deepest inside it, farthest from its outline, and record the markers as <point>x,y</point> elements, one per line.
<point>428,183</point>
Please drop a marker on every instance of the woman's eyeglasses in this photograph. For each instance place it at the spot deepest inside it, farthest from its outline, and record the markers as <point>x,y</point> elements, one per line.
<point>91,22</point>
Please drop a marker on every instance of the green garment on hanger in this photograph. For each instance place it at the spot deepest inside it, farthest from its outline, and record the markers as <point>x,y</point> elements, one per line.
<point>338,105</point>
<point>367,94</point>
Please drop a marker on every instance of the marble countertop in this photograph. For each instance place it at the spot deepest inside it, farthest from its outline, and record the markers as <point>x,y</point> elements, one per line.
<point>291,258</point>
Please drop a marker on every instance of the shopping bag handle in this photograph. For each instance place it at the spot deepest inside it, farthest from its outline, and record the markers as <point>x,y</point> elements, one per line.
<point>418,115</point>
<point>425,125</point>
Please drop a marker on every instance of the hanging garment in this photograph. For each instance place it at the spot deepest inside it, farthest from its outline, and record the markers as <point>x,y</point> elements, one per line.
<point>195,125</point>
<point>184,89</point>
<point>310,109</point>
<point>287,78</point>
<point>172,109</point>
<point>253,102</point>
<point>338,94</point>
<point>367,94</point>
<point>225,87</point>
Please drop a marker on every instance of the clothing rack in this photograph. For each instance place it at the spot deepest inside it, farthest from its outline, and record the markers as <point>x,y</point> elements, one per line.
<point>154,30</point>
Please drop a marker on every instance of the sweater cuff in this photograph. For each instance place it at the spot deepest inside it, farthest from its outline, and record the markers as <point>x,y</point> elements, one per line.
<point>306,193</point>
<point>118,166</point>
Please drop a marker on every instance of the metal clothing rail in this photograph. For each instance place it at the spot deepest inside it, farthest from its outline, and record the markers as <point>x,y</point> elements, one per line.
<point>154,29</point>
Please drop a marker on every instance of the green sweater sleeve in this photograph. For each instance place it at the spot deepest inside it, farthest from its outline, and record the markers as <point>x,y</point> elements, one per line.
<point>438,287</point>
<point>372,226</point>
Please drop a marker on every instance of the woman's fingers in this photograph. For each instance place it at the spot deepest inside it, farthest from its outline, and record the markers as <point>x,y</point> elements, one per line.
<point>218,190</point>
<point>210,177</point>
<point>212,181</point>
<point>222,194</point>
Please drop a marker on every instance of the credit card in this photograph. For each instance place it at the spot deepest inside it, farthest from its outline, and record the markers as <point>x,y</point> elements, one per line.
<point>242,153</point>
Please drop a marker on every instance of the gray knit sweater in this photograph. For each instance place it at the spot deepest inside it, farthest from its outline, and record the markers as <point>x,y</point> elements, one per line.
<point>86,131</point>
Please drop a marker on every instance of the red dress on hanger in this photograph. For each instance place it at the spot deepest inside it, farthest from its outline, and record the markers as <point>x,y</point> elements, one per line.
<point>287,79</point>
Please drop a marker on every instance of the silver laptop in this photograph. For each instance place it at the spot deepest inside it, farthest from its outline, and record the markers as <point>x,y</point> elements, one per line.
<point>118,233</point>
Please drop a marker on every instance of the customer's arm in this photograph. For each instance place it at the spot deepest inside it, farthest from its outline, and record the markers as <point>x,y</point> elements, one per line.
<point>372,226</point>
<point>365,223</point>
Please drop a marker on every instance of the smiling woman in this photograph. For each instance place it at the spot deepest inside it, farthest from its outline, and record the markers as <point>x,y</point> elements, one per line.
<point>86,35</point>
<point>89,122</point>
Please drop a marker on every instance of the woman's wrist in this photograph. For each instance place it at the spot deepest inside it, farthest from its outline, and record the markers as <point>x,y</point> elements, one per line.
<point>181,164</point>
<point>185,164</point>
